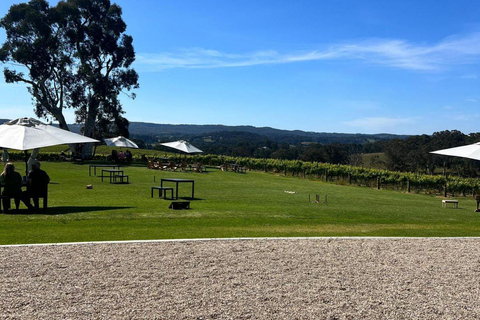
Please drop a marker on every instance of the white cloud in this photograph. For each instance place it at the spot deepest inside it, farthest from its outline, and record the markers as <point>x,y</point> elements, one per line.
<point>380,124</point>
<point>471,100</point>
<point>467,117</point>
<point>395,53</point>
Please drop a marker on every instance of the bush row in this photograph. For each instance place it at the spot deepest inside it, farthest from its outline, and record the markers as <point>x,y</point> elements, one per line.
<point>403,181</point>
<point>345,174</point>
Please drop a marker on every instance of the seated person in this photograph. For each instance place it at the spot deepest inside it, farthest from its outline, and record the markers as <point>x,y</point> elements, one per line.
<point>128,156</point>
<point>121,156</point>
<point>12,186</point>
<point>37,186</point>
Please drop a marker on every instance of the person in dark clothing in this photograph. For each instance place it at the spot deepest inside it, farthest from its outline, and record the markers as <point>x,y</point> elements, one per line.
<point>114,155</point>
<point>37,186</point>
<point>128,156</point>
<point>12,186</point>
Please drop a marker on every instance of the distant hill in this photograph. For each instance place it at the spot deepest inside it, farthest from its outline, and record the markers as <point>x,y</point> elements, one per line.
<point>168,131</point>
<point>153,132</point>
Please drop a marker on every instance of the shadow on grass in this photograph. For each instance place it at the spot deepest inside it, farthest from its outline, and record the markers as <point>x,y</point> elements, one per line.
<point>76,209</point>
<point>66,210</point>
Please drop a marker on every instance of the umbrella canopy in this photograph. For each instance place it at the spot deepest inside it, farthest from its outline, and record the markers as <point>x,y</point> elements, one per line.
<point>471,151</point>
<point>121,142</point>
<point>182,146</point>
<point>28,133</point>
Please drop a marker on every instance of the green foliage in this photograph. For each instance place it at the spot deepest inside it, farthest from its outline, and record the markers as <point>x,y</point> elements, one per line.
<point>356,175</point>
<point>413,154</point>
<point>359,176</point>
<point>35,40</point>
<point>76,56</point>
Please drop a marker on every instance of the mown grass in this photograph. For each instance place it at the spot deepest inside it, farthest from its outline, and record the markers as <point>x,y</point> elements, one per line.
<point>227,204</point>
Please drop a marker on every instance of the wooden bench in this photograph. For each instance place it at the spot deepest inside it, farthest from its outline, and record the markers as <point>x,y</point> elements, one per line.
<point>7,198</point>
<point>179,205</point>
<point>454,202</point>
<point>35,199</point>
<point>162,192</point>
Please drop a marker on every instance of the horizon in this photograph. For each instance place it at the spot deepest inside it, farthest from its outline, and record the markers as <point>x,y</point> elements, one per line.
<point>404,68</point>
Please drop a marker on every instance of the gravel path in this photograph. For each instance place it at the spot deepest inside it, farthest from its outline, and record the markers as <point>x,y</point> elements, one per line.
<point>244,279</point>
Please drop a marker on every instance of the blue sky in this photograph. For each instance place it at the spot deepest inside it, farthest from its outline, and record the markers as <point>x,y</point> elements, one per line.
<point>403,67</point>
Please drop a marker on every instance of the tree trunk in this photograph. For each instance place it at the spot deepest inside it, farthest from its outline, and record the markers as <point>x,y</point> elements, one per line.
<point>89,129</point>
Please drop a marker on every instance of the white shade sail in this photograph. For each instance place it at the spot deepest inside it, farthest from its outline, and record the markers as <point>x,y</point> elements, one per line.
<point>28,133</point>
<point>120,142</point>
<point>182,146</point>
<point>471,151</point>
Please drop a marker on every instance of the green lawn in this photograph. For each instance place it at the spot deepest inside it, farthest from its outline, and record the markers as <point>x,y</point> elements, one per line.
<point>227,204</point>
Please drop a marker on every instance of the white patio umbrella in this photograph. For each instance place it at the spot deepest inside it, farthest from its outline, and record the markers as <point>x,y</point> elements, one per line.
<point>471,151</point>
<point>182,146</point>
<point>121,142</point>
<point>28,133</point>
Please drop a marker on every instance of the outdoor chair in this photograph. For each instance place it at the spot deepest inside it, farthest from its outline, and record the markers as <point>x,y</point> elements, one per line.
<point>197,168</point>
<point>183,166</point>
<point>151,164</point>
<point>173,166</point>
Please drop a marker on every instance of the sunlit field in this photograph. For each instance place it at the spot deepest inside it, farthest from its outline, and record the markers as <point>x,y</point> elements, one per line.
<point>226,204</point>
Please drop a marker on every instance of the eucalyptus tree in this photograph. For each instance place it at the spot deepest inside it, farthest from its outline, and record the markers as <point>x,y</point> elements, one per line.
<point>38,56</point>
<point>74,55</point>
<point>104,54</point>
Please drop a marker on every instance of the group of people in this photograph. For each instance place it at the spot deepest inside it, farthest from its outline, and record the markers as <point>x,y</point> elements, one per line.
<point>121,157</point>
<point>37,182</point>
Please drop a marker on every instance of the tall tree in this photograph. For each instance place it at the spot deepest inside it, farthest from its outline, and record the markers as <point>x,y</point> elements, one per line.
<point>36,45</point>
<point>95,32</point>
<point>77,56</point>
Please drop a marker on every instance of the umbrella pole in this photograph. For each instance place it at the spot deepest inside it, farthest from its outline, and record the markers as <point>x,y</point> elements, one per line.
<point>26,163</point>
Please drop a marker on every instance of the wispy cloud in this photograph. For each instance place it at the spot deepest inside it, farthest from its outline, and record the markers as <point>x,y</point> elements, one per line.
<point>471,100</point>
<point>380,124</point>
<point>402,54</point>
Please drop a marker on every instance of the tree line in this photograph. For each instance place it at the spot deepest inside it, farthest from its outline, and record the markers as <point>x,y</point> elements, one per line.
<point>411,154</point>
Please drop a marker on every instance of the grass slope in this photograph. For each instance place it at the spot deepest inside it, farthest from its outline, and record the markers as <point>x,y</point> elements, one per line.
<point>227,204</point>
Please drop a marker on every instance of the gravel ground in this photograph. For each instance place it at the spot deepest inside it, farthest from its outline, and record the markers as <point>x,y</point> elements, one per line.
<point>244,279</point>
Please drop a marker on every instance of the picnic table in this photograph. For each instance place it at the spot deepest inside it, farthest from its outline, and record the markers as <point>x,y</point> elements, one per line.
<point>95,166</point>
<point>177,181</point>
<point>111,173</point>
